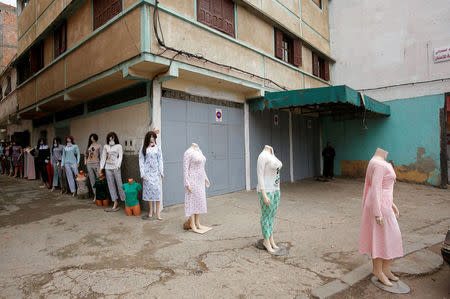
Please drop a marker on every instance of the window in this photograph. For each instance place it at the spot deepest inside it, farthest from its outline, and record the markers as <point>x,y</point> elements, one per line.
<point>23,68</point>
<point>59,39</point>
<point>318,3</point>
<point>321,67</point>
<point>105,10</point>
<point>37,58</point>
<point>217,14</point>
<point>287,49</point>
<point>8,86</point>
<point>1,93</point>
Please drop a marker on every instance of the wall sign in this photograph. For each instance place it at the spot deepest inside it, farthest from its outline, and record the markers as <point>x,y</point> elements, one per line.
<point>275,119</point>
<point>441,54</point>
<point>219,115</point>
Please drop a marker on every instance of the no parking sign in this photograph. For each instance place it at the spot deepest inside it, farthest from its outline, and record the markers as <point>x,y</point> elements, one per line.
<point>219,115</point>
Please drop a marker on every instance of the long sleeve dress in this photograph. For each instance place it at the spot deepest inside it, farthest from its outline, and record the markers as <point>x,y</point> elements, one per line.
<point>380,241</point>
<point>194,177</point>
<point>31,170</point>
<point>151,168</point>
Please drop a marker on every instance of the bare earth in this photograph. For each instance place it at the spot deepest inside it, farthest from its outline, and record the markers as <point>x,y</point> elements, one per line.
<point>53,246</point>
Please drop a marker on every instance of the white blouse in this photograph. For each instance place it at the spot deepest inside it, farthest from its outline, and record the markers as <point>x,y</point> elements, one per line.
<point>268,172</point>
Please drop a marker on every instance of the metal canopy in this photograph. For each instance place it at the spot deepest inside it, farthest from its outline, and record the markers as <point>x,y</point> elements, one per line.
<point>323,101</point>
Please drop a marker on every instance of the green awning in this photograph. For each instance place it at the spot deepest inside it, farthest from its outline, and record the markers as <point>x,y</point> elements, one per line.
<point>332,100</point>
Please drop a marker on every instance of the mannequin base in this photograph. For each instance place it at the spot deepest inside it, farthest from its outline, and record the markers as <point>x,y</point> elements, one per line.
<point>282,250</point>
<point>203,230</point>
<point>399,287</point>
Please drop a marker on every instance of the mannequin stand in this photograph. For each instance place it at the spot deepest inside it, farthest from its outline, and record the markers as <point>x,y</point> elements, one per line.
<point>282,250</point>
<point>399,287</point>
<point>202,230</point>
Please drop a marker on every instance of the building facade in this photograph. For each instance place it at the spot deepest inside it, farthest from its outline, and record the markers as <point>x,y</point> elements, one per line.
<point>184,67</point>
<point>398,53</point>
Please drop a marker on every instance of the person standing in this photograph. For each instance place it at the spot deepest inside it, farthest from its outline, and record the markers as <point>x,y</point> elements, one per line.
<point>328,161</point>
<point>92,159</point>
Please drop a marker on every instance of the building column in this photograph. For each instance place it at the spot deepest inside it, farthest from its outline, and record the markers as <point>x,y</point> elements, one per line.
<point>291,149</point>
<point>155,121</point>
<point>247,146</point>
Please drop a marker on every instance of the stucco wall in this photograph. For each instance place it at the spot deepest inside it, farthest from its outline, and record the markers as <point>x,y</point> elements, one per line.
<point>413,147</point>
<point>384,43</point>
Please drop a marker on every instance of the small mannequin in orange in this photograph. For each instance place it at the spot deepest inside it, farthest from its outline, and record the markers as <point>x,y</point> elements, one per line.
<point>101,194</point>
<point>82,187</point>
<point>131,201</point>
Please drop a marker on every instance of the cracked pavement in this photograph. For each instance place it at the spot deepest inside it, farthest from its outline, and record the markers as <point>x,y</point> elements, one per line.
<point>54,246</point>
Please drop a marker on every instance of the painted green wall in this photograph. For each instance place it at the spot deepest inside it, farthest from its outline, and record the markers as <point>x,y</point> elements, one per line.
<point>413,124</point>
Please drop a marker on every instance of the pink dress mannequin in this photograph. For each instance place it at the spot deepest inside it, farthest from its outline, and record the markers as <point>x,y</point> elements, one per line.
<point>380,234</point>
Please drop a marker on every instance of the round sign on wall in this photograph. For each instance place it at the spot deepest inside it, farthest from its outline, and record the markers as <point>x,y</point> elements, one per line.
<point>218,114</point>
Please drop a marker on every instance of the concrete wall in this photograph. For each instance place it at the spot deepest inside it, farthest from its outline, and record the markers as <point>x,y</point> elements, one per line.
<point>414,147</point>
<point>384,43</point>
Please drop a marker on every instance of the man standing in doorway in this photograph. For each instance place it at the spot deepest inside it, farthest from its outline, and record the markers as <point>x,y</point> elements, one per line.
<point>328,161</point>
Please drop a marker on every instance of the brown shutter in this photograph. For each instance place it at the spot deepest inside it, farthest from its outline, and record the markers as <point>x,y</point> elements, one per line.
<point>204,12</point>
<point>278,44</point>
<point>228,17</point>
<point>326,71</point>
<point>297,53</point>
<point>63,37</point>
<point>104,10</point>
<point>315,64</point>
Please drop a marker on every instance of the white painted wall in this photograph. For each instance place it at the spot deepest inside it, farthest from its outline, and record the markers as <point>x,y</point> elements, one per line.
<point>384,43</point>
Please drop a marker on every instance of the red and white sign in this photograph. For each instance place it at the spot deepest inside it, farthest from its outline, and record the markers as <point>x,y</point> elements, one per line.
<point>275,120</point>
<point>441,54</point>
<point>219,115</point>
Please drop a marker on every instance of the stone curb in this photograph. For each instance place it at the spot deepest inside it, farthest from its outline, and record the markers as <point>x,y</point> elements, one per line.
<point>360,273</point>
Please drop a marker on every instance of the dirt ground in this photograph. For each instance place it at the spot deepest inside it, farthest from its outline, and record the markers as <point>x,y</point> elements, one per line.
<point>54,246</point>
<point>433,286</point>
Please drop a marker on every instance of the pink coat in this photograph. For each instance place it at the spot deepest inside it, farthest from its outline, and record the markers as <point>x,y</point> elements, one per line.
<point>379,241</point>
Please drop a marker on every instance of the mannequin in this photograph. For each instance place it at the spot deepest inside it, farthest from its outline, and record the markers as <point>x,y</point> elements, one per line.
<point>2,157</point>
<point>268,172</point>
<point>111,161</point>
<point>152,172</point>
<point>195,180</point>
<point>17,159</point>
<point>380,234</point>
<point>42,159</point>
<point>70,162</point>
<point>101,187</point>
<point>131,193</point>
<point>92,159</point>
<point>55,158</point>
<point>82,187</point>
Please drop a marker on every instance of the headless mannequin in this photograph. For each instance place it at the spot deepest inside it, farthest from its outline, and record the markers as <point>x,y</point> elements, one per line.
<point>104,202</point>
<point>269,243</point>
<point>194,220</point>
<point>382,267</point>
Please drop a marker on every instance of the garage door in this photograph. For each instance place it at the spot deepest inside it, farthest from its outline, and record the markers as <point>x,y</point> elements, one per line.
<point>222,143</point>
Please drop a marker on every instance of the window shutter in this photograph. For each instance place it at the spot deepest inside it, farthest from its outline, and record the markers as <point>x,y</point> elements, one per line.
<point>63,37</point>
<point>278,44</point>
<point>297,53</point>
<point>228,17</point>
<point>204,12</point>
<point>315,64</point>
<point>326,71</point>
<point>104,10</point>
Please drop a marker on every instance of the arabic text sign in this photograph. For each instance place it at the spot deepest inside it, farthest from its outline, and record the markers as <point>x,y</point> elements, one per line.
<point>441,54</point>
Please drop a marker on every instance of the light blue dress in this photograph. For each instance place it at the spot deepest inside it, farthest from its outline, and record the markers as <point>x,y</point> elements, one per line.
<point>151,167</point>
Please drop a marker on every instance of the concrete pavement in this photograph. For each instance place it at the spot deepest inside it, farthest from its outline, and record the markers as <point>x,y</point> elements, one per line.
<point>55,246</point>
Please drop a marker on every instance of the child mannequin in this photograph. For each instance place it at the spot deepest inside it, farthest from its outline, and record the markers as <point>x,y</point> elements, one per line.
<point>131,202</point>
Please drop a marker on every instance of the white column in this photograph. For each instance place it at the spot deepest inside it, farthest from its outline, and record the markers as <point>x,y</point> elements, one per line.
<point>156,119</point>
<point>247,146</point>
<point>291,148</point>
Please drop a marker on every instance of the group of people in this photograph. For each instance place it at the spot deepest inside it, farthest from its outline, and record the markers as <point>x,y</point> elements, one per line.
<point>58,166</point>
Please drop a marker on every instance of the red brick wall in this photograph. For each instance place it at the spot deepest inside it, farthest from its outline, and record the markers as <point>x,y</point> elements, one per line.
<point>8,34</point>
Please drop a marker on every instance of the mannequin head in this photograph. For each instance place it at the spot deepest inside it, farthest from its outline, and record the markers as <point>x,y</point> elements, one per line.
<point>149,140</point>
<point>13,142</point>
<point>112,138</point>
<point>101,176</point>
<point>130,181</point>
<point>41,141</point>
<point>81,174</point>
<point>69,139</point>
<point>93,138</point>
<point>328,144</point>
<point>56,141</point>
